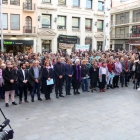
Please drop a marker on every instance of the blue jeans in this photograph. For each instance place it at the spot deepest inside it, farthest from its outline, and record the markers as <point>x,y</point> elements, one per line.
<point>85,84</point>
<point>1,92</point>
<point>35,86</point>
<point>124,78</point>
<point>16,91</point>
<point>68,84</point>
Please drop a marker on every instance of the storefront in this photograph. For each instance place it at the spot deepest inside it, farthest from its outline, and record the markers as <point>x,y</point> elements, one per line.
<point>46,46</point>
<point>14,46</point>
<point>135,45</point>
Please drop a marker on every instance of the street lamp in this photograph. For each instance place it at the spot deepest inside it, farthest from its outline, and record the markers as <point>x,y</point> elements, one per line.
<point>1,25</point>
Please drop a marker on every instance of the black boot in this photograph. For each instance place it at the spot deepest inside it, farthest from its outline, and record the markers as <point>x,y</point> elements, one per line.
<point>107,86</point>
<point>111,87</point>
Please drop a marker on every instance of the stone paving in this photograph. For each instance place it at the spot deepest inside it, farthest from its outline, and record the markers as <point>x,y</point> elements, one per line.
<point>113,115</point>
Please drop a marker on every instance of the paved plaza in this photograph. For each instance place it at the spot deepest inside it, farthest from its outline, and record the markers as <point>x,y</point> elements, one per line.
<point>113,115</point>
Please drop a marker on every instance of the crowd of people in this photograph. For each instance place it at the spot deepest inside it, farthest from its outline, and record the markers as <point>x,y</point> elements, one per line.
<point>39,74</point>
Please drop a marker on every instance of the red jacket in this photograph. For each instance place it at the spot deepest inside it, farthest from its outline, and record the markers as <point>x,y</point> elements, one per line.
<point>110,67</point>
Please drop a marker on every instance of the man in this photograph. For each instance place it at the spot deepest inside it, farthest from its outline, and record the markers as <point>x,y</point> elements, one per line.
<point>125,70</point>
<point>9,76</point>
<point>59,70</point>
<point>22,82</point>
<point>68,76</point>
<point>35,80</point>
<point>26,59</point>
<point>84,75</point>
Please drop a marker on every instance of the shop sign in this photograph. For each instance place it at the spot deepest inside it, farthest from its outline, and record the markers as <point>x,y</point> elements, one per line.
<point>67,39</point>
<point>135,41</point>
<point>65,46</point>
<point>17,42</point>
<point>82,47</point>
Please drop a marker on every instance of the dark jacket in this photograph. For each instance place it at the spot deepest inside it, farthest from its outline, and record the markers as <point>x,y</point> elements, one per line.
<point>58,71</point>
<point>7,76</point>
<point>45,76</point>
<point>21,77</point>
<point>68,71</point>
<point>31,76</point>
<point>94,74</point>
<point>84,70</point>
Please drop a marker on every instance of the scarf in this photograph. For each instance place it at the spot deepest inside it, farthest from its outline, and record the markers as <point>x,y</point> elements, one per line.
<point>48,67</point>
<point>77,75</point>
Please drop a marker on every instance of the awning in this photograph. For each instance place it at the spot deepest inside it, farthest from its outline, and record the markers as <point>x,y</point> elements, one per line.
<point>135,44</point>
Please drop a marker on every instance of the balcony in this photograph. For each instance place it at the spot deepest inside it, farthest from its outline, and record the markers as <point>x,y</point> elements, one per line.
<point>29,7</point>
<point>29,30</point>
<point>126,6</point>
<point>126,21</point>
<point>125,36</point>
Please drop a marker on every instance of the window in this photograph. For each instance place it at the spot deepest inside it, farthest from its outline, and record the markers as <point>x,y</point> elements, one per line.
<point>88,41</point>
<point>136,15</point>
<point>46,1</point>
<point>122,18</point>
<point>15,2</point>
<point>62,2</point>
<point>122,32</point>
<point>61,22</point>
<point>100,6</point>
<point>75,23</point>
<point>76,3</point>
<point>4,1</point>
<point>88,24</point>
<point>5,21</point>
<point>89,4</point>
<point>46,21</point>
<point>15,22</point>
<point>100,25</point>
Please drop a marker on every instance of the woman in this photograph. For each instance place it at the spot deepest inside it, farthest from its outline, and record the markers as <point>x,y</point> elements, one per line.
<point>47,74</point>
<point>111,69</point>
<point>103,76</point>
<point>76,77</point>
<point>94,75</point>
<point>118,70</point>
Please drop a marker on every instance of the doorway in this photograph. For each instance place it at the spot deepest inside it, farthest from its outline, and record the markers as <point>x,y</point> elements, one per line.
<point>99,45</point>
<point>28,25</point>
<point>46,45</point>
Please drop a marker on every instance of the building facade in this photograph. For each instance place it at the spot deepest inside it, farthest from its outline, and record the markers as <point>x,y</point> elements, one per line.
<point>125,14</point>
<point>76,18</point>
<point>19,25</point>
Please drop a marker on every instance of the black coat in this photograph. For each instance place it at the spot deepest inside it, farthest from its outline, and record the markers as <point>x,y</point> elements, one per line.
<point>21,77</point>
<point>84,70</point>
<point>75,82</point>
<point>94,75</point>
<point>31,76</point>
<point>7,76</point>
<point>58,71</point>
<point>45,76</point>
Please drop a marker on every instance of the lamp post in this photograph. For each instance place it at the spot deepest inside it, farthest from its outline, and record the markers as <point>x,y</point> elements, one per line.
<point>104,43</point>
<point>1,25</point>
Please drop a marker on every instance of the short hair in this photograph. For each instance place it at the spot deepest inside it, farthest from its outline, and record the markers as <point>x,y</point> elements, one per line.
<point>21,64</point>
<point>7,61</point>
<point>14,65</point>
<point>58,58</point>
<point>34,61</point>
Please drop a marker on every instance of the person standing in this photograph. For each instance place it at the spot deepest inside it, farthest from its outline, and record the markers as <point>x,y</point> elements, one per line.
<point>9,76</point>
<point>118,70</point>
<point>125,70</point>
<point>22,82</point>
<point>76,78</point>
<point>59,71</point>
<point>47,74</point>
<point>35,75</point>
<point>84,75</point>
<point>68,76</point>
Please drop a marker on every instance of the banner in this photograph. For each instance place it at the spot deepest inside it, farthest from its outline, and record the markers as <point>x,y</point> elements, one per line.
<point>65,46</point>
<point>81,48</point>
<point>67,39</point>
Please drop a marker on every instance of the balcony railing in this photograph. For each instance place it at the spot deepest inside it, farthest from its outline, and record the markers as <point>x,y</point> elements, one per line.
<point>123,36</point>
<point>15,2</point>
<point>27,29</point>
<point>29,6</point>
<point>125,21</point>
